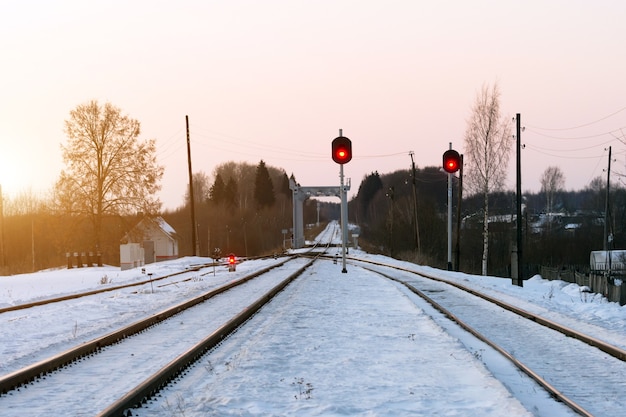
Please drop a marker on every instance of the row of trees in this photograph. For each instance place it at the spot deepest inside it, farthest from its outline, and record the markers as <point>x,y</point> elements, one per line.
<point>111,175</point>
<point>559,227</point>
<point>241,211</point>
<point>244,210</point>
<point>487,150</point>
<point>39,237</point>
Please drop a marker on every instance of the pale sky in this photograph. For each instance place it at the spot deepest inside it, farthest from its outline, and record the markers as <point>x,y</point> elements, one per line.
<point>277,79</point>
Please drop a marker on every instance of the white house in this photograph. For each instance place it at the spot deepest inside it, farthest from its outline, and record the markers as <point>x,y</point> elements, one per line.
<point>157,238</point>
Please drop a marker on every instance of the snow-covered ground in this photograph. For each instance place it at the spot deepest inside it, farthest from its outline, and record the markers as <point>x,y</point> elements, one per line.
<point>335,344</point>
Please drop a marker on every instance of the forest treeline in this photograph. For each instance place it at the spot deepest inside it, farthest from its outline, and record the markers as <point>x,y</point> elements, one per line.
<point>565,236</point>
<point>244,209</point>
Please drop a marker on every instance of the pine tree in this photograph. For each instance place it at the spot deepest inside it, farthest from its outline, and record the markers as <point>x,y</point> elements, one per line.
<point>218,190</point>
<point>230,193</point>
<point>263,187</point>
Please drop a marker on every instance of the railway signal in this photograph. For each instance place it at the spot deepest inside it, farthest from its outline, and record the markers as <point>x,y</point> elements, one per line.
<point>232,263</point>
<point>342,150</point>
<point>451,161</point>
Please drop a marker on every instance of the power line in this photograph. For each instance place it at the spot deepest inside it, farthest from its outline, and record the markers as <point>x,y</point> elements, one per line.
<point>538,150</point>
<point>611,132</point>
<point>573,149</point>
<point>583,125</point>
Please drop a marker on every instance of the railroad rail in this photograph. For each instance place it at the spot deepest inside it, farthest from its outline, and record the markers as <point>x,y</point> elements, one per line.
<point>154,383</point>
<point>608,348</point>
<point>241,343</point>
<point>320,243</point>
<point>141,392</point>
<point>100,290</point>
<point>445,302</point>
<point>83,352</point>
<point>17,378</point>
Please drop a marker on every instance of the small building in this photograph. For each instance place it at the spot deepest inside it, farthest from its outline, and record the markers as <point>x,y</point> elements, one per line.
<point>156,237</point>
<point>605,260</point>
<point>131,256</point>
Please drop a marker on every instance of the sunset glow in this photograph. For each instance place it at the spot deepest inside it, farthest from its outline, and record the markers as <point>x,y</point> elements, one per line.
<point>276,80</point>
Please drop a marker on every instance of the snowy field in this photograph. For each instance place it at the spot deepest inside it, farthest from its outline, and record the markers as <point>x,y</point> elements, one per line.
<point>336,344</point>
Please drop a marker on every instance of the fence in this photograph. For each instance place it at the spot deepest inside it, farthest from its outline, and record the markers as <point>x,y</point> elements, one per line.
<point>82,259</point>
<point>609,285</point>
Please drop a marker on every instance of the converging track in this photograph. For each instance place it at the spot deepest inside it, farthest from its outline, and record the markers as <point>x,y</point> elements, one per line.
<point>170,334</point>
<point>299,329</point>
<point>504,327</point>
<point>291,336</point>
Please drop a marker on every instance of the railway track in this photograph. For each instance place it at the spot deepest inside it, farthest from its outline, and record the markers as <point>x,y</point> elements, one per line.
<point>291,337</point>
<point>493,327</point>
<point>567,355</point>
<point>150,281</point>
<point>55,327</point>
<point>188,349</point>
<point>181,324</point>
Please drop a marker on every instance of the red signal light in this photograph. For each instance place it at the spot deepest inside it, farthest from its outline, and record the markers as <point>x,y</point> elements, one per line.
<point>232,262</point>
<point>451,161</point>
<point>342,150</point>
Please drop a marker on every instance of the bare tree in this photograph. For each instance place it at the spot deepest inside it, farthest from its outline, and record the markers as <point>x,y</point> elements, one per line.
<point>487,151</point>
<point>552,181</point>
<point>109,171</point>
<point>201,188</point>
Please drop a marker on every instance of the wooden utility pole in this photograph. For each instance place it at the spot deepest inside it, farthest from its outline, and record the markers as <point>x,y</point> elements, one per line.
<point>192,201</point>
<point>518,200</point>
<point>608,237</point>
<point>417,228</point>
<point>605,245</point>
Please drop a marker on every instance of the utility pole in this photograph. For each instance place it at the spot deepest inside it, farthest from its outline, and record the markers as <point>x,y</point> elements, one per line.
<point>417,228</point>
<point>192,201</point>
<point>390,194</point>
<point>606,214</point>
<point>519,279</point>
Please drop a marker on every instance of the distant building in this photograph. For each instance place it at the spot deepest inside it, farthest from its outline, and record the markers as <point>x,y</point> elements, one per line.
<point>155,236</point>
<point>607,260</point>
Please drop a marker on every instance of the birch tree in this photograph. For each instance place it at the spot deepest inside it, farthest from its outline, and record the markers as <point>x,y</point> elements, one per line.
<point>552,181</point>
<point>488,145</point>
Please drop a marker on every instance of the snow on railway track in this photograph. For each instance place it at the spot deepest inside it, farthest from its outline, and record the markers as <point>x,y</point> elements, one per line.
<point>342,344</point>
<point>84,387</point>
<point>559,358</point>
<point>36,333</point>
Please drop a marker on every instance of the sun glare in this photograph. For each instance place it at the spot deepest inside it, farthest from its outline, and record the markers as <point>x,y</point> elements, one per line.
<point>9,175</point>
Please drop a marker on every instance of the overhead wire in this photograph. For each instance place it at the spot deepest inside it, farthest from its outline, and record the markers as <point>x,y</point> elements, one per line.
<point>615,134</point>
<point>217,141</point>
<point>596,141</point>
<point>572,149</point>
<point>583,125</point>
<point>172,142</point>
